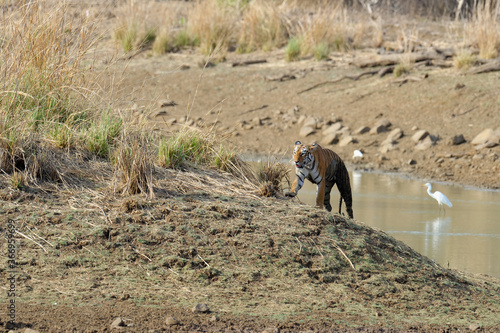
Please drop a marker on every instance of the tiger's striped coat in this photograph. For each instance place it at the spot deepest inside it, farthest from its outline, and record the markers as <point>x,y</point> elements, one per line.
<point>324,168</point>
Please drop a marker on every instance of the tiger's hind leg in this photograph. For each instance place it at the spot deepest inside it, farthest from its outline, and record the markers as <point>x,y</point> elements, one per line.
<point>345,193</point>
<point>326,201</point>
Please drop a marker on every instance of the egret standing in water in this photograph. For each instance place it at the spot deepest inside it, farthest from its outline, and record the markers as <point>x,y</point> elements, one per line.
<point>440,197</point>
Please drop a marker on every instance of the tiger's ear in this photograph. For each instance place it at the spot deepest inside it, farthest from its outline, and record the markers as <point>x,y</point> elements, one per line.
<point>298,143</point>
<point>314,146</point>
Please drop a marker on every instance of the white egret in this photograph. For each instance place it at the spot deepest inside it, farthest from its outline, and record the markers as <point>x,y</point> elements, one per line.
<point>357,153</point>
<point>440,197</point>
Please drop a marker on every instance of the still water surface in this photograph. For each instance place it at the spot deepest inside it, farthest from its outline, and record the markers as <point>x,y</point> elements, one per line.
<point>465,237</point>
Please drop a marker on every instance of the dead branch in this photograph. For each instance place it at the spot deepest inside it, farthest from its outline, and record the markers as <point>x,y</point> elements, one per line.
<point>248,62</point>
<point>350,77</point>
<point>256,109</point>
<point>492,66</point>
<point>393,59</point>
<point>281,78</point>
<point>404,80</point>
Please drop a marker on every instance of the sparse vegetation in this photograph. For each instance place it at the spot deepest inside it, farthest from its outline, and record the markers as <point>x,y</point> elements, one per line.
<point>484,30</point>
<point>293,50</point>
<point>464,59</point>
<point>271,174</point>
<point>401,69</point>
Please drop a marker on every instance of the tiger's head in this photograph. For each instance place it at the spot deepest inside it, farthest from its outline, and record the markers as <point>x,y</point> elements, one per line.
<point>302,155</point>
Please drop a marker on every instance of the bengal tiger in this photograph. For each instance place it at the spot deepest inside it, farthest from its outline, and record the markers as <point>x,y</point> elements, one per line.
<point>324,168</point>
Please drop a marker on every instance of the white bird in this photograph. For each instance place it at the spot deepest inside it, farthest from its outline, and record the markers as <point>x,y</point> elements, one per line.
<point>357,153</point>
<point>440,197</point>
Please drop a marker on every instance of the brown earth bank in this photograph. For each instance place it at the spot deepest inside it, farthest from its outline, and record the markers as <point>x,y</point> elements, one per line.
<point>87,258</point>
<point>87,255</point>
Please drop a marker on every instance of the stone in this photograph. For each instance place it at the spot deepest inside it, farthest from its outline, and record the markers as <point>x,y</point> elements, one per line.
<point>425,144</point>
<point>474,327</point>
<point>293,111</point>
<point>311,122</point>
<point>483,137</point>
<point>163,103</point>
<point>362,130</point>
<point>301,119</point>
<point>330,139</point>
<point>387,147</point>
<point>171,121</point>
<point>412,162</point>
<point>214,319</point>
<point>380,126</point>
<point>117,323</point>
<point>332,128</point>
<point>247,127</point>
<point>347,140</point>
<point>457,140</point>
<point>395,134</point>
<point>30,330</point>
<point>200,308</point>
<point>171,321</point>
<point>306,131</point>
<point>257,121</point>
<point>419,135</point>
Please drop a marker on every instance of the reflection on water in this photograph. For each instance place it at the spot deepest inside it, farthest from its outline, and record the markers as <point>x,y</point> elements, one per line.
<point>466,236</point>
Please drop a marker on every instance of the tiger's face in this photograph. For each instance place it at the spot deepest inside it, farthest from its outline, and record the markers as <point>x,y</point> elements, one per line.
<point>302,156</point>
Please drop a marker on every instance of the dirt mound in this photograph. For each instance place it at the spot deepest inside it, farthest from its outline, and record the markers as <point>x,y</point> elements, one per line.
<point>85,258</point>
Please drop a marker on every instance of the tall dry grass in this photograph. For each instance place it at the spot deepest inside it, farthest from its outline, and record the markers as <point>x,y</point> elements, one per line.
<point>483,28</point>
<point>48,86</point>
<point>212,23</point>
<point>262,26</point>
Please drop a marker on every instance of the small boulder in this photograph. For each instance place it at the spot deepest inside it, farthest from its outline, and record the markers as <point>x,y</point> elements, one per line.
<point>487,137</point>
<point>311,122</point>
<point>347,140</point>
<point>332,128</point>
<point>163,103</point>
<point>419,135</point>
<point>301,119</point>
<point>171,321</point>
<point>118,323</point>
<point>380,126</point>
<point>362,130</point>
<point>306,131</point>
<point>200,308</point>
<point>330,139</point>
<point>483,137</point>
<point>257,121</point>
<point>474,327</point>
<point>387,147</point>
<point>395,134</point>
<point>425,144</point>
<point>457,140</point>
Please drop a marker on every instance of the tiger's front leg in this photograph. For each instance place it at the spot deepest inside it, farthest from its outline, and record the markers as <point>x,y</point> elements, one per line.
<point>320,196</point>
<point>296,186</point>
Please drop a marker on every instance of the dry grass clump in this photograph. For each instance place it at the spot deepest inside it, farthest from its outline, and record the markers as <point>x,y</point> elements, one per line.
<point>49,94</point>
<point>138,25</point>
<point>270,175</point>
<point>192,147</point>
<point>484,29</point>
<point>133,166</point>
<point>262,26</point>
<point>212,25</point>
<point>464,59</point>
